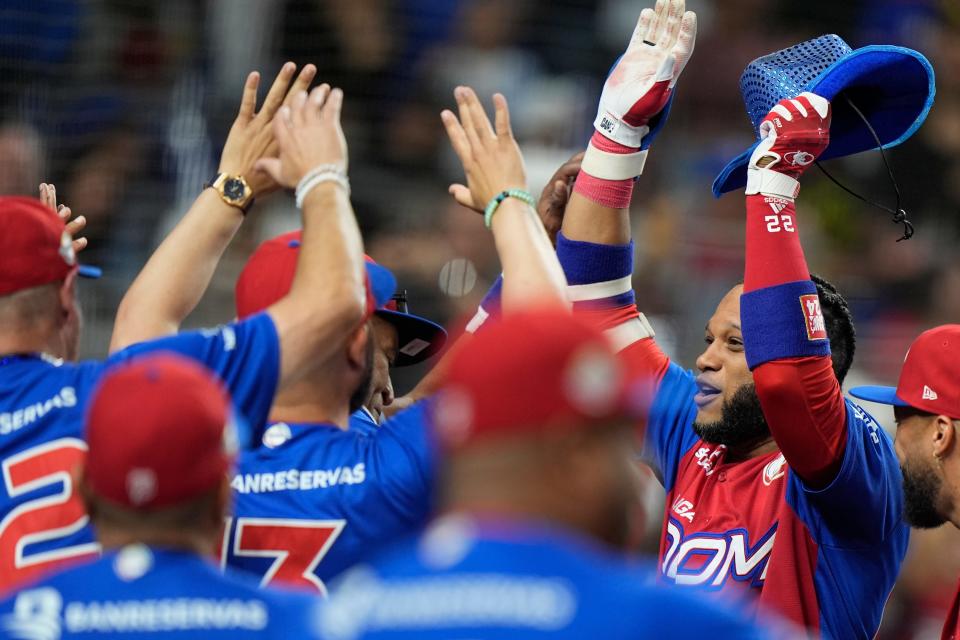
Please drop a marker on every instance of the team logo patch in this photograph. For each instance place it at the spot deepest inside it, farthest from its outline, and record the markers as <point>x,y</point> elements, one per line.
<point>799,158</point>
<point>774,470</point>
<point>141,486</point>
<point>813,316</point>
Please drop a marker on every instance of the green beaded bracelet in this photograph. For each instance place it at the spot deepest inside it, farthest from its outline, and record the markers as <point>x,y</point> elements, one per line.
<point>519,194</point>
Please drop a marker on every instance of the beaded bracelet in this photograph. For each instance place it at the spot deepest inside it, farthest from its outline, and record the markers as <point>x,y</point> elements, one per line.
<point>519,194</point>
<point>321,173</point>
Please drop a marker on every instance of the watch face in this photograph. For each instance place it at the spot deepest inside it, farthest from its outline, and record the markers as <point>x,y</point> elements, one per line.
<point>233,189</point>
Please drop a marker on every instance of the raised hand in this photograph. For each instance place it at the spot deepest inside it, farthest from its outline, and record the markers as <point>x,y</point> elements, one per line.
<point>252,136</point>
<point>491,158</point>
<point>641,83</point>
<point>793,135</point>
<point>48,196</point>
<point>308,134</point>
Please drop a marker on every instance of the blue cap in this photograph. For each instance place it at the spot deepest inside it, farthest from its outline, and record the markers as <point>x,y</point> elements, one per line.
<point>892,86</point>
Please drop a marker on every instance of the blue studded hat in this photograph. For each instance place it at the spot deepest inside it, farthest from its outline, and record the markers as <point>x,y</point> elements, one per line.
<point>892,86</point>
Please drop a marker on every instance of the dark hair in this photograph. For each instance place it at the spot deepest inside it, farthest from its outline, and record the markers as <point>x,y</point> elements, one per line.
<point>839,323</point>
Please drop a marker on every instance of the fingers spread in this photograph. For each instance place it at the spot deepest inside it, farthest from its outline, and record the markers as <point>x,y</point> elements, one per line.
<point>76,225</point>
<point>671,30</point>
<point>502,115</point>
<point>302,83</point>
<point>298,109</point>
<point>319,96</point>
<point>643,25</point>
<point>466,117</point>
<point>248,102</point>
<point>686,40</point>
<point>457,135</point>
<point>481,122</point>
<point>79,244</point>
<point>658,22</point>
<point>331,109</point>
<point>277,91</point>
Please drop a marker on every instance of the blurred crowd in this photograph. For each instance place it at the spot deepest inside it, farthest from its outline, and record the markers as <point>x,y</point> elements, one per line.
<point>123,103</point>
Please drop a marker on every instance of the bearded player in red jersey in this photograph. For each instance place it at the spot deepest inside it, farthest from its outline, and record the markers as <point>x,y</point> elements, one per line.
<point>780,492</point>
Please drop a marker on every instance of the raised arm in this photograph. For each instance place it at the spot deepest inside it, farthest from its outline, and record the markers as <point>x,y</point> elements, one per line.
<point>784,332</point>
<point>594,246</point>
<point>494,167</point>
<point>178,273</point>
<point>328,298</point>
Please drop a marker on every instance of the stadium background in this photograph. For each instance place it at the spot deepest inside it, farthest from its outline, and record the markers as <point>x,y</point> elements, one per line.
<point>124,105</point>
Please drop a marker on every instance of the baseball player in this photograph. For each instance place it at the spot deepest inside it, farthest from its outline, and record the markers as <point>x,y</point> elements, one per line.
<point>778,490</point>
<point>43,397</point>
<point>156,495</point>
<point>536,419</point>
<point>317,498</point>
<point>926,405</point>
<point>400,338</point>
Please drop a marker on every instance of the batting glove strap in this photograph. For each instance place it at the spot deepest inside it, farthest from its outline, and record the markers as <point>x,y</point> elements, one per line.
<point>613,166</point>
<point>783,321</point>
<point>611,126</point>
<point>771,183</point>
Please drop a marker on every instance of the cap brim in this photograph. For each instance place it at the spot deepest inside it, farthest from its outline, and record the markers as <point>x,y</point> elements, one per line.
<point>892,86</point>
<point>882,395</point>
<point>417,338</point>
<point>88,271</point>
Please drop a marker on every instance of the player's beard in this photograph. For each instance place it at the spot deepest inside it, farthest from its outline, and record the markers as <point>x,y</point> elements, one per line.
<point>921,490</point>
<point>741,421</point>
<point>362,391</point>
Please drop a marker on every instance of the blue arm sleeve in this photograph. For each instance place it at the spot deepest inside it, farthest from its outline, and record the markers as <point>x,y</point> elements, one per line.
<point>669,433</point>
<point>245,355</point>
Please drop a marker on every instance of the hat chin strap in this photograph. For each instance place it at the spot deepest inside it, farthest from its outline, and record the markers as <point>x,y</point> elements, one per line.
<point>899,215</point>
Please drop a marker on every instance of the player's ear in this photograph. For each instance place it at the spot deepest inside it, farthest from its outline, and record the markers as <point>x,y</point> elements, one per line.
<point>944,436</point>
<point>358,347</point>
<point>68,294</point>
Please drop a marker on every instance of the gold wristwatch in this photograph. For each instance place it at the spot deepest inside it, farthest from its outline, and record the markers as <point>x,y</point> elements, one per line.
<point>233,190</point>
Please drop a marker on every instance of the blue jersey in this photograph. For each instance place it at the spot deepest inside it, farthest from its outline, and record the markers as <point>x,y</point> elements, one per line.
<point>42,406</point>
<point>143,592</point>
<point>469,579</point>
<point>362,422</point>
<point>315,499</point>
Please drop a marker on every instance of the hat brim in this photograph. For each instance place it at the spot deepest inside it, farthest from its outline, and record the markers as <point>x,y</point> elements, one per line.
<point>882,395</point>
<point>417,338</point>
<point>87,271</point>
<point>892,86</point>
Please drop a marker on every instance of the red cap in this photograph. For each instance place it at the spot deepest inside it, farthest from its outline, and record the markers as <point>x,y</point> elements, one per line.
<point>930,378</point>
<point>35,248</point>
<point>539,370</point>
<point>159,433</point>
<point>268,276</point>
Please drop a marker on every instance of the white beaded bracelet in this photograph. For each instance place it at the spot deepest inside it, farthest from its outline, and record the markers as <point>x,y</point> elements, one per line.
<point>317,175</point>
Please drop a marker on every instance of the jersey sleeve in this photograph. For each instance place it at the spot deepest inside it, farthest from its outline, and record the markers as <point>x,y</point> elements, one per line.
<point>599,278</point>
<point>245,355</point>
<point>864,502</point>
<point>405,458</point>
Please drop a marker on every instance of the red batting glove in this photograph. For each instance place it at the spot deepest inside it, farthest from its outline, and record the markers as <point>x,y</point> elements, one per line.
<point>794,134</point>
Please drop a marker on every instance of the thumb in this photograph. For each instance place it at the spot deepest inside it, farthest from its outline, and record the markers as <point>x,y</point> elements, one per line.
<point>270,166</point>
<point>462,195</point>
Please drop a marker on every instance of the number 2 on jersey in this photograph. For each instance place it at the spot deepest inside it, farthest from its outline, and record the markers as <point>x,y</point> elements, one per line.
<point>50,517</point>
<point>297,547</point>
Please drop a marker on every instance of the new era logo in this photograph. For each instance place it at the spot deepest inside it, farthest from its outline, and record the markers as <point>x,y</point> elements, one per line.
<point>813,316</point>
<point>929,394</point>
